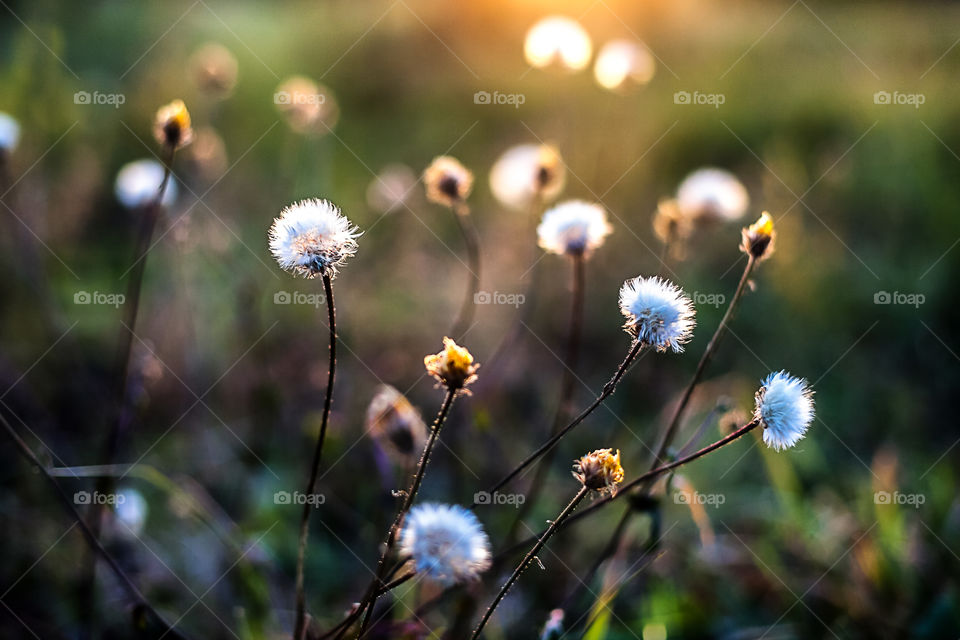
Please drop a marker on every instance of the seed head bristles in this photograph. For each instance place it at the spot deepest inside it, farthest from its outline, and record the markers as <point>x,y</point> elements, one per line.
<point>658,313</point>
<point>573,227</point>
<point>784,408</point>
<point>311,238</point>
<point>446,542</point>
<point>758,239</point>
<point>453,367</point>
<point>447,181</point>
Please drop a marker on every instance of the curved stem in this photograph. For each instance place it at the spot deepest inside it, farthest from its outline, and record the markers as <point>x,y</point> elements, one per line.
<point>674,423</point>
<point>125,580</point>
<point>370,598</point>
<point>300,624</point>
<point>528,559</point>
<point>608,390</point>
<point>570,361</point>
<point>472,241</point>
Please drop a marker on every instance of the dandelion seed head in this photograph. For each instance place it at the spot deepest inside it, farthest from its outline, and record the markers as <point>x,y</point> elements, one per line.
<point>573,227</point>
<point>621,63</point>
<point>214,69</point>
<point>138,183</point>
<point>171,126</point>
<point>453,367</point>
<point>312,238</point>
<point>670,225</point>
<point>447,543</point>
<point>526,174</point>
<point>712,193</point>
<point>784,407</point>
<point>558,40</point>
<point>658,313</point>
<point>599,470</point>
<point>307,106</point>
<point>9,133</point>
<point>758,239</point>
<point>394,422</point>
<point>447,181</point>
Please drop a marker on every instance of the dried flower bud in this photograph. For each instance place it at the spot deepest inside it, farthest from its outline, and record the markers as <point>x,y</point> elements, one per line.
<point>599,470</point>
<point>171,126</point>
<point>453,367</point>
<point>758,238</point>
<point>448,182</point>
<point>395,424</point>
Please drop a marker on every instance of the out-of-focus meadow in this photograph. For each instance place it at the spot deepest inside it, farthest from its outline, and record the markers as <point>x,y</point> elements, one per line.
<point>854,533</point>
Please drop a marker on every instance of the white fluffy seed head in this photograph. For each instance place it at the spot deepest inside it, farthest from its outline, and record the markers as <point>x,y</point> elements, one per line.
<point>713,193</point>
<point>573,227</point>
<point>312,238</point>
<point>138,183</point>
<point>784,407</point>
<point>659,314</point>
<point>9,133</point>
<point>447,543</point>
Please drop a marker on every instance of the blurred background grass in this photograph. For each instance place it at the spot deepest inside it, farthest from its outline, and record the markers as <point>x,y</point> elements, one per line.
<point>233,382</point>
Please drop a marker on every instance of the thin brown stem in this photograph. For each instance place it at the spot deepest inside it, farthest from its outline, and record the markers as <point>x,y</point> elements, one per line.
<point>300,624</point>
<point>370,599</point>
<point>88,535</point>
<point>608,390</point>
<point>472,241</point>
<point>528,559</point>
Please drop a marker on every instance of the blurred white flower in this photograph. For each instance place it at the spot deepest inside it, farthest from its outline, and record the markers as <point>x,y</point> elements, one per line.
<point>558,40</point>
<point>622,62</point>
<point>311,238</point>
<point>138,183</point>
<point>9,132</point>
<point>131,509</point>
<point>391,188</point>
<point>308,107</point>
<point>784,407</point>
<point>214,69</point>
<point>447,543</point>
<point>712,193</point>
<point>527,173</point>
<point>659,314</point>
<point>573,227</point>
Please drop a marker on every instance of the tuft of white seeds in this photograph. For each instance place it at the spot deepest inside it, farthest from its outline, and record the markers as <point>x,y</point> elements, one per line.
<point>784,408</point>
<point>447,543</point>
<point>659,314</point>
<point>573,227</point>
<point>138,183</point>
<point>312,238</point>
<point>713,193</point>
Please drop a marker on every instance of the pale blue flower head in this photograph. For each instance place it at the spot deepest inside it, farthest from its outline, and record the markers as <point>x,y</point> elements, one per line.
<point>138,183</point>
<point>447,543</point>
<point>9,133</point>
<point>573,227</point>
<point>311,238</point>
<point>659,314</point>
<point>784,409</point>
